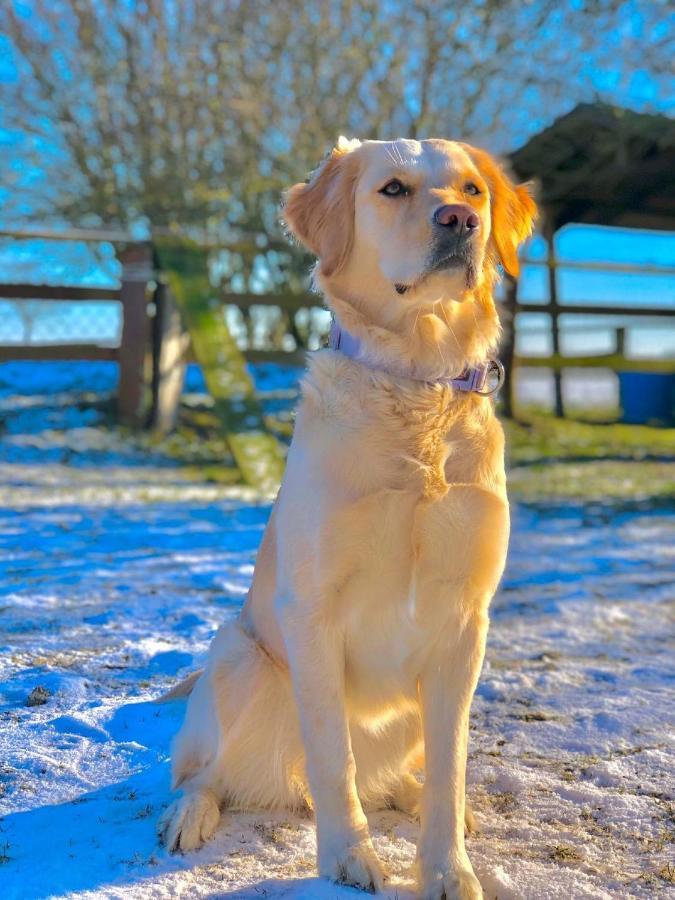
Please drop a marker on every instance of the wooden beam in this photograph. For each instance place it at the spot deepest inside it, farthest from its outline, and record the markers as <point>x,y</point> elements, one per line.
<point>68,234</point>
<point>507,350</point>
<point>593,266</point>
<point>559,407</point>
<point>244,243</point>
<point>56,352</point>
<point>170,346</point>
<point>137,270</point>
<point>53,292</point>
<point>614,362</point>
<point>590,309</point>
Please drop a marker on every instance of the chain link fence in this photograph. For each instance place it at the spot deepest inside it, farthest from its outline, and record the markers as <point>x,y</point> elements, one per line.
<point>39,322</point>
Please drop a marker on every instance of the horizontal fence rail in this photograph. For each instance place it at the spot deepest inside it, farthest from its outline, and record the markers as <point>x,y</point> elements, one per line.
<point>53,292</point>
<point>588,309</point>
<point>285,337</point>
<point>596,266</point>
<point>101,235</point>
<point>59,352</point>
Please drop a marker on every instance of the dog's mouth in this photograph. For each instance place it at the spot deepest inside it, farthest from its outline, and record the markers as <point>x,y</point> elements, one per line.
<point>461,256</point>
<point>451,255</point>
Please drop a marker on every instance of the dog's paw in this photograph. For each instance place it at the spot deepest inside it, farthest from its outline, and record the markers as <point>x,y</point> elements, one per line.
<point>452,884</point>
<point>407,796</point>
<point>188,822</point>
<point>356,865</point>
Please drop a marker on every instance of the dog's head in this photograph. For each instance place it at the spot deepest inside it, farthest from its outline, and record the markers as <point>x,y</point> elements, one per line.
<point>399,226</point>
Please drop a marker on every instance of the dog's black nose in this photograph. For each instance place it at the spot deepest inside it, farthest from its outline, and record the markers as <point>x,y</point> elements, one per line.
<point>457,217</point>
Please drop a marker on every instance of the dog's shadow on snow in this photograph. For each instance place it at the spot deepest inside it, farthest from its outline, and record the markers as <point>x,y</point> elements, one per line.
<point>104,836</point>
<point>310,889</point>
<point>106,839</point>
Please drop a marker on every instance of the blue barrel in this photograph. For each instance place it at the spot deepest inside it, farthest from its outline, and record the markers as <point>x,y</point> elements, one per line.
<point>647,398</point>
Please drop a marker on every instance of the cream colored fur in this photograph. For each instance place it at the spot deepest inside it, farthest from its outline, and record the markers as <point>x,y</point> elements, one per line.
<point>355,658</point>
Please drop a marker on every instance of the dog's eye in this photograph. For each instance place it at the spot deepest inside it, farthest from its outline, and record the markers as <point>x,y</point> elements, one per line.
<point>471,188</point>
<point>394,188</point>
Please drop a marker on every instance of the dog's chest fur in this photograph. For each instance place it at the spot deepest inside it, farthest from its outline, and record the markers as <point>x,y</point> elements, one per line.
<point>404,479</point>
<point>380,433</point>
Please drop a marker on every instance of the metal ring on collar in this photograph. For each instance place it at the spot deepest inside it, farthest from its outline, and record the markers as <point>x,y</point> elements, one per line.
<point>494,365</point>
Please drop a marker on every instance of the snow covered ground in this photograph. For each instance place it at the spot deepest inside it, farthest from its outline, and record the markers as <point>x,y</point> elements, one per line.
<point>116,569</point>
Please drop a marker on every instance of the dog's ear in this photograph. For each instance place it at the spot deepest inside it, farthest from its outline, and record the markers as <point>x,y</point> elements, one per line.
<point>320,212</point>
<point>513,210</point>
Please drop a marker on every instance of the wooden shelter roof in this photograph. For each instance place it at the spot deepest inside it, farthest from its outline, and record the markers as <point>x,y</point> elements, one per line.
<point>603,165</point>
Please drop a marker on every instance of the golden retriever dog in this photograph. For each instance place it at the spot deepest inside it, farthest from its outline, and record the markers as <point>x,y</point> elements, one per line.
<point>353,663</point>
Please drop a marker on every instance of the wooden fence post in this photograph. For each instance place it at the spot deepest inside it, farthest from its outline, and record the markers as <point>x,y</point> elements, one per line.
<point>555,333</point>
<point>508,345</point>
<point>170,344</point>
<point>137,271</point>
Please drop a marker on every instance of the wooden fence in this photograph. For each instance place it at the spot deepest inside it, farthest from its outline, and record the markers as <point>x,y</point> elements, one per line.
<point>556,362</point>
<point>154,345</point>
<point>134,296</point>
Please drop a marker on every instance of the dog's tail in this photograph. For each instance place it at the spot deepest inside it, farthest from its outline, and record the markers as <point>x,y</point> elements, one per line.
<point>182,689</point>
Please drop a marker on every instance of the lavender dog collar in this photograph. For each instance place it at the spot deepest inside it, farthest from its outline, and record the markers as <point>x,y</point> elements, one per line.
<point>474,380</point>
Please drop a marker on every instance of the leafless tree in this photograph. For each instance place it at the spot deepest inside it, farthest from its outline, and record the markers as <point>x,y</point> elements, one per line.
<point>196,113</point>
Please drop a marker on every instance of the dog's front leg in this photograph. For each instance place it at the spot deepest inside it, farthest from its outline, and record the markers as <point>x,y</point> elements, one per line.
<point>446,690</point>
<point>316,659</point>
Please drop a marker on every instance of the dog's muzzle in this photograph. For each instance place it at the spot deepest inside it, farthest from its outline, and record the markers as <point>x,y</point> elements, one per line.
<point>455,228</point>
